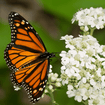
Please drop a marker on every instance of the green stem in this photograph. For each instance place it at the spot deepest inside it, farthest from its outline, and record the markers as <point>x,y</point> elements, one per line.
<point>85,102</point>
<point>84,33</point>
<point>52,97</point>
<point>51,93</point>
<point>91,31</point>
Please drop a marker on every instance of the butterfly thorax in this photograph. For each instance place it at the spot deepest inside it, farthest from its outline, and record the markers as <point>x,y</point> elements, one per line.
<point>47,55</point>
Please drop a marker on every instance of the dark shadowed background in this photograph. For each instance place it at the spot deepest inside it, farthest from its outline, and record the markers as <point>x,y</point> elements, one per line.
<point>51,19</point>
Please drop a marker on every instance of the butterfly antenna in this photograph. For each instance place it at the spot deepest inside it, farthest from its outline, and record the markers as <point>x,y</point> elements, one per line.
<point>56,53</point>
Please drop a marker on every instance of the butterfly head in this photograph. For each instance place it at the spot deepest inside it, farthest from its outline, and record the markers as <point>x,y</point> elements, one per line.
<point>51,55</point>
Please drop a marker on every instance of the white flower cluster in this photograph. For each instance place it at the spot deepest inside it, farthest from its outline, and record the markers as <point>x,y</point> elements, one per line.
<point>53,82</point>
<point>93,17</point>
<point>83,69</point>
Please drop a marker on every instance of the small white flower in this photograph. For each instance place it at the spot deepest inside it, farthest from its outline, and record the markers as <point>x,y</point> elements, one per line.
<point>87,94</point>
<point>78,95</point>
<point>103,81</point>
<point>94,102</point>
<point>84,80</point>
<point>70,87</point>
<point>64,82</point>
<point>50,68</point>
<point>58,84</point>
<point>45,91</point>
<point>66,37</point>
<point>16,88</point>
<point>98,85</point>
<point>54,77</point>
<point>70,93</point>
<point>99,72</point>
<point>92,82</point>
<point>50,87</point>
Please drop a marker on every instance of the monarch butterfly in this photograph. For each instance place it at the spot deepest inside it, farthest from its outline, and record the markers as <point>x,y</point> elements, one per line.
<point>27,57</point>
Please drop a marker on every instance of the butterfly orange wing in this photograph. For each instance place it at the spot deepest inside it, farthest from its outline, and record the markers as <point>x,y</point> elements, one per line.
<point>36,81</point>
<point>23,35</point>
<point>22,57</point>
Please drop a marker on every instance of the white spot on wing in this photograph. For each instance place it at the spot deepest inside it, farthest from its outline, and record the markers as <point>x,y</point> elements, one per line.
<point>16,14</point>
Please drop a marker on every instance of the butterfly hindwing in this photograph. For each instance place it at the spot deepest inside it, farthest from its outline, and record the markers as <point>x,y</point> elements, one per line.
<point>33,79</point>
<point>35,82</point>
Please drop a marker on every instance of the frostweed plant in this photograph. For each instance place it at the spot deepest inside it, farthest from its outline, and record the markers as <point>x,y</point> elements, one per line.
<point>90,19</point>
<point>83,65</point>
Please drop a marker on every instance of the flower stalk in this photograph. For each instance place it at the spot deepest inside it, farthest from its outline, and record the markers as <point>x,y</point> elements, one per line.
<point>85,102</point>
<point>91,31</point>
<point>52,97</point>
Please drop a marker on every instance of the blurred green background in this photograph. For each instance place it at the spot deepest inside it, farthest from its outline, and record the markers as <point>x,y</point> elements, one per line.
<point>51,19</point>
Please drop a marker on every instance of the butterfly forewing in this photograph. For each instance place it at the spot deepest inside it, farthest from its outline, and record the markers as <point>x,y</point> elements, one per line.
<point>23,34</point>
<point>17,58</point>
<point>23,57</point>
